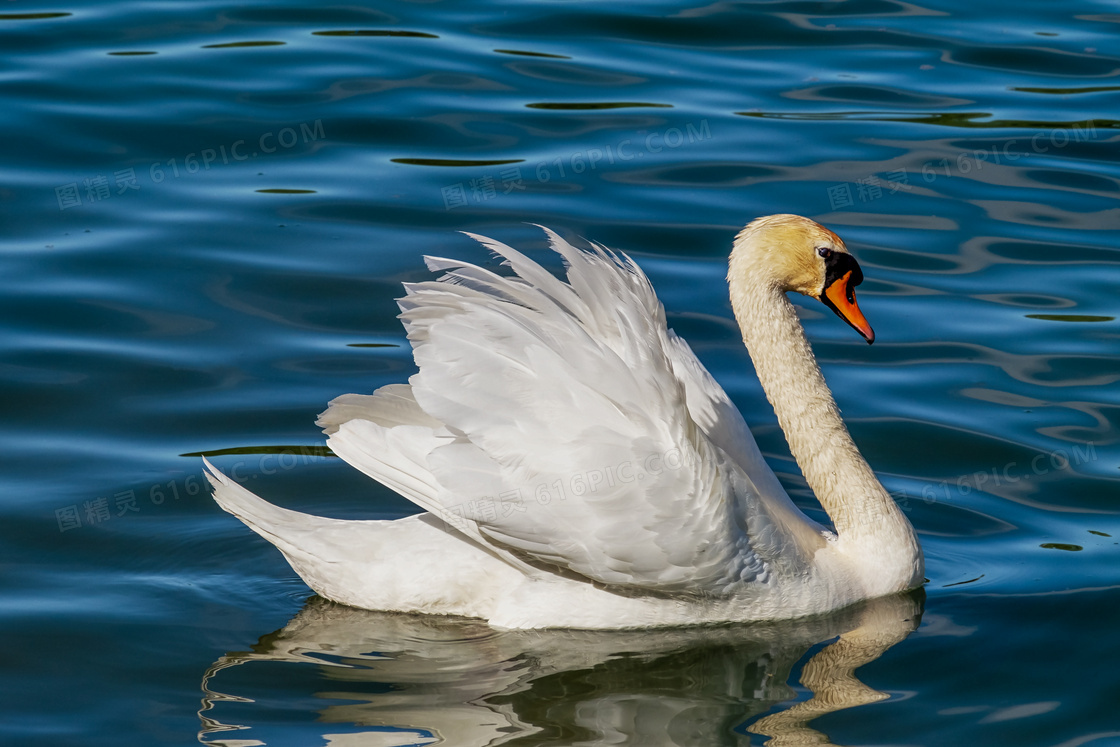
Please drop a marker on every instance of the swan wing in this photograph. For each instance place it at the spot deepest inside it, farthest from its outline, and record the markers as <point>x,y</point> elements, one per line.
<point>564,432</point>
<point>723,424</point>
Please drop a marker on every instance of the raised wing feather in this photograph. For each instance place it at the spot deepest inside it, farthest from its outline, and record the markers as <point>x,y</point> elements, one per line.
<point>566,433</point>
<point>723,424</point>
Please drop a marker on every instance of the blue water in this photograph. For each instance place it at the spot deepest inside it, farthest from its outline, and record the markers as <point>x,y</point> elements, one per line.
<point>208,209</point>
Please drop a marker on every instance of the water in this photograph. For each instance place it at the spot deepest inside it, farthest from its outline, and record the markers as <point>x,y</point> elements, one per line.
<point>208,209</point>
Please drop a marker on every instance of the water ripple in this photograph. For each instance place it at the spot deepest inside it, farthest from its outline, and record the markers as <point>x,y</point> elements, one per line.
<point>210,207</point>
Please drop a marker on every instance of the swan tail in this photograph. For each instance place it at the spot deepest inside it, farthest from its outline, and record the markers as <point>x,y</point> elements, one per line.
<point>345,561</point>
<point>286,529</point>
<point>409,565</point>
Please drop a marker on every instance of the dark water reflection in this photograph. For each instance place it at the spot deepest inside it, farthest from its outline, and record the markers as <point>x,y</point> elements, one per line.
<point>388,679</point>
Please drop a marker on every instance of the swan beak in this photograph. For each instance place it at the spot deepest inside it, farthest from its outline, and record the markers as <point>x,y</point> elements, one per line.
<point>840,296</point>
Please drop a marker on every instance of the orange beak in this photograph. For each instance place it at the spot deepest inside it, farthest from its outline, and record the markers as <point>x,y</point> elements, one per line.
<point>841,298</point>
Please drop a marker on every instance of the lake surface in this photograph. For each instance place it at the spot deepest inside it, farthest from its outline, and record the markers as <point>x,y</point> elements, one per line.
<point>208,209</point>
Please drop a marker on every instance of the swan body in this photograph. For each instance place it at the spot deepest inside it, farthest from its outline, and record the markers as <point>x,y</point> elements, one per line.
<point>578,466</point>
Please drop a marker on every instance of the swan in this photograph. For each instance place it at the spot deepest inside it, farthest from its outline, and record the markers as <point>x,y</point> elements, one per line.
<point>578,466</point>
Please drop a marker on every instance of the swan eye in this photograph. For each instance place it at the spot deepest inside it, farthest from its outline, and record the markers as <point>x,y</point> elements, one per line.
<point>824,251</point>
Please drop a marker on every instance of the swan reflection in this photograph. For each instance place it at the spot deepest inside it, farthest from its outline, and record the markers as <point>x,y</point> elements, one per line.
<point>386,679</point>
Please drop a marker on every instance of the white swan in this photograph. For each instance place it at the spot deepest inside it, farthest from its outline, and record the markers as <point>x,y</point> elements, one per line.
<point>580,468</point>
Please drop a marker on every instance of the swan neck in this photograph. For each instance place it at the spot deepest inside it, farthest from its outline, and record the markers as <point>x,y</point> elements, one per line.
<point>860,508</point>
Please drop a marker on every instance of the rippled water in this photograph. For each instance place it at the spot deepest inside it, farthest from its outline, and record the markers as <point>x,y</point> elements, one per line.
<point>208,209</point>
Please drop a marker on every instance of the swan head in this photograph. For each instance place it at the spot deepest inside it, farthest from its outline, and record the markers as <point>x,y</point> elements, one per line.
<point>797,254</point>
